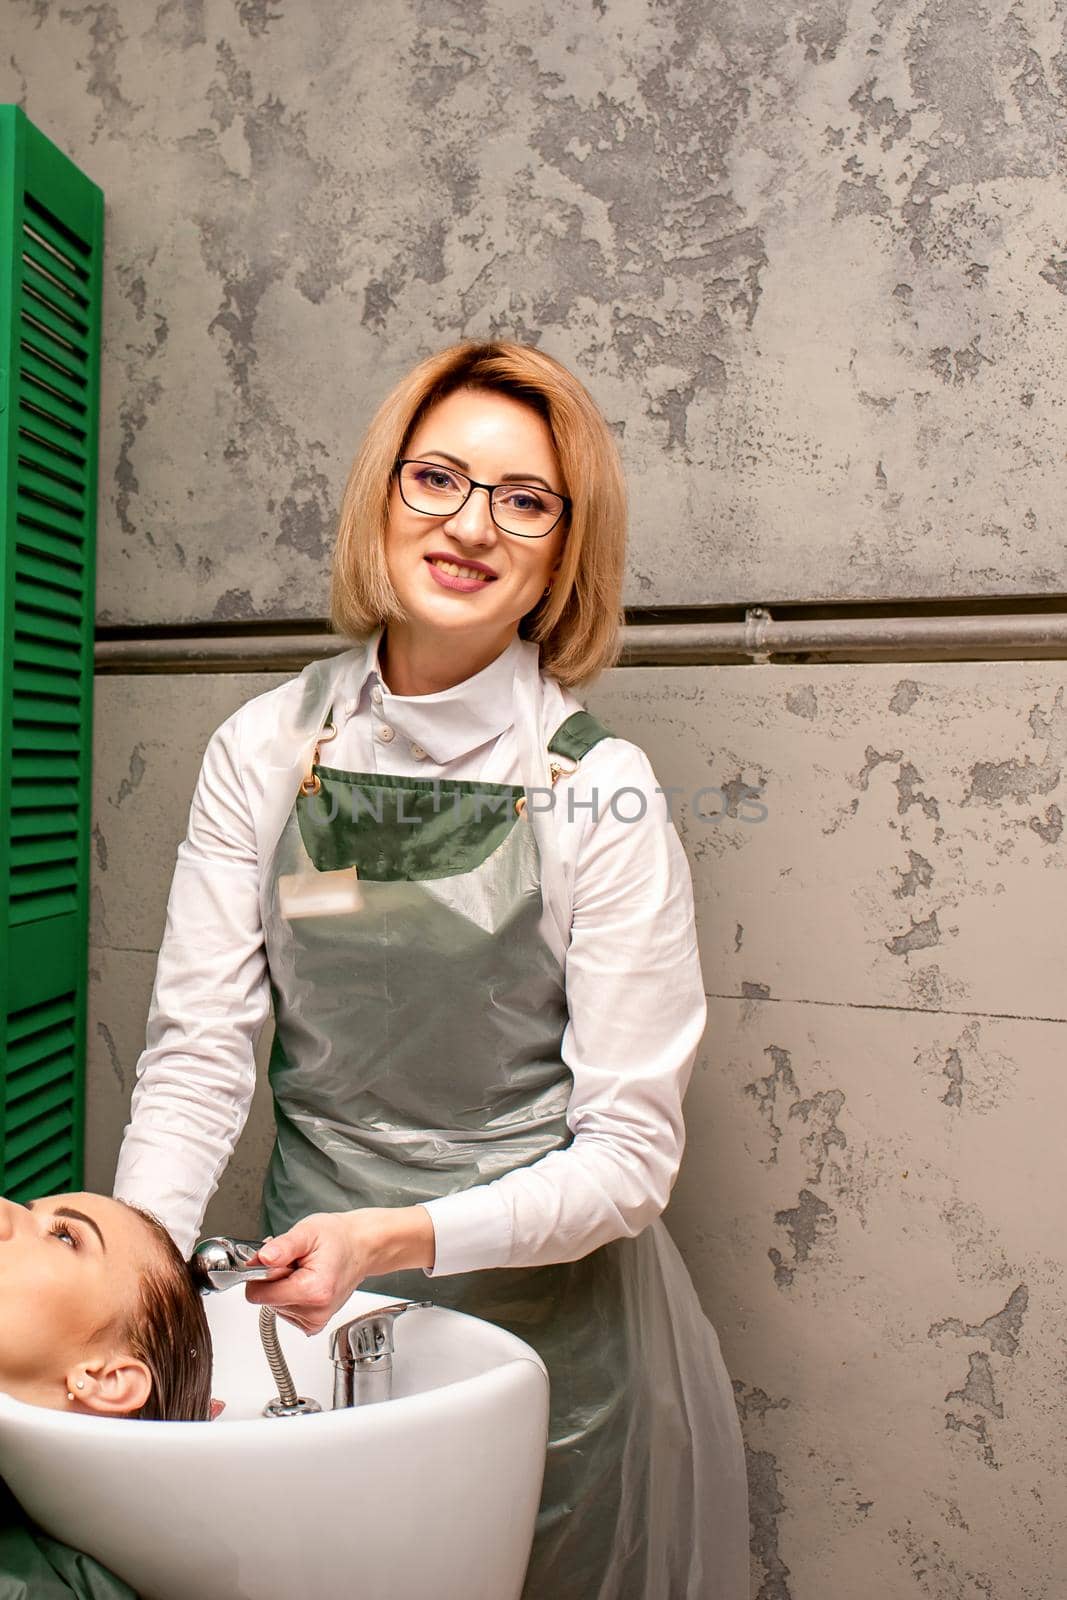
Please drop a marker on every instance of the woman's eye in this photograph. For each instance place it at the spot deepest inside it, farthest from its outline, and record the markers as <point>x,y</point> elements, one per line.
<point>434,478</point>
<point>60,1228</point>
<point>524,500</point>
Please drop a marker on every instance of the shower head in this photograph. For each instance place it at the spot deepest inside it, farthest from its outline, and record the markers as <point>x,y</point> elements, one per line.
<point>219,1263</point>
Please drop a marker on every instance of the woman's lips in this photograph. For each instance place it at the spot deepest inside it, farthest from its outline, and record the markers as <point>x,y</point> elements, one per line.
<point>448,581</point>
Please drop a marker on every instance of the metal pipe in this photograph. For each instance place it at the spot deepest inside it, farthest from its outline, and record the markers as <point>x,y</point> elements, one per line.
<point>224,653</point>
<point>759,638</point>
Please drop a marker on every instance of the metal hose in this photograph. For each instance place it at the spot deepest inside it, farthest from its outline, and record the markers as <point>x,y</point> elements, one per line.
<point>268,1333</point>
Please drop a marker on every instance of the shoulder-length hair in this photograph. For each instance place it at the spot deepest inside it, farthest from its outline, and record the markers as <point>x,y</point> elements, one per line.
<point>577,624</point>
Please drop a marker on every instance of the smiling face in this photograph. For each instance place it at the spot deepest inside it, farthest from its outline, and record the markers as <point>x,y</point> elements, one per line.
<point>66,1290</point>
<point>492,437</point>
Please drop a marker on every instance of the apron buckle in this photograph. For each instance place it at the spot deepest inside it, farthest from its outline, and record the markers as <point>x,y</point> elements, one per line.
<point>311,783</point>
<point>555,771</point>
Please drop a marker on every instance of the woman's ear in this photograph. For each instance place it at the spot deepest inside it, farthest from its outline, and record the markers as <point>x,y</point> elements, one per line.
<point>112,1388</point>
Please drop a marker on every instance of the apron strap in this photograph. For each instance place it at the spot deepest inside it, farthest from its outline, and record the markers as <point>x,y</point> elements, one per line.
<point>311,782</point>
<point>574,738</point>
<point>578,734</point>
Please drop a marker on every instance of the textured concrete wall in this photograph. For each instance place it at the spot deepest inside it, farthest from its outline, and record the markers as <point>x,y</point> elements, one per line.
<point>870,1198</point>
<point>811,260</point>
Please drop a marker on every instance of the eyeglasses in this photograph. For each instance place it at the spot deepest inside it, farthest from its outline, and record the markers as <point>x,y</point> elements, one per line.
<point>524,509</point>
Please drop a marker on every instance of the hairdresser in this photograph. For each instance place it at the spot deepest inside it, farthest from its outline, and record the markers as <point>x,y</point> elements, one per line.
<point>474,916</point>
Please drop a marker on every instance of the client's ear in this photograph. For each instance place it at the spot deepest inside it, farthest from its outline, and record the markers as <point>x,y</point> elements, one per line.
<point>112,1388</point>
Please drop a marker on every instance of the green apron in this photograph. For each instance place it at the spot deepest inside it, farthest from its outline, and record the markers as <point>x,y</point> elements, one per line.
<point>417,1053</point>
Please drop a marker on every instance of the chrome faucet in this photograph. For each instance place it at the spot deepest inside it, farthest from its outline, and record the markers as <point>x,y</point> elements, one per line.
<point>219,1263</point>
<point>362,1354</point>
<point>361,1350</point>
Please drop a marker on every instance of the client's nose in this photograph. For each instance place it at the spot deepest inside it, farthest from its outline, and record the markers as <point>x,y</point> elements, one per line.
<point>11,1214</point>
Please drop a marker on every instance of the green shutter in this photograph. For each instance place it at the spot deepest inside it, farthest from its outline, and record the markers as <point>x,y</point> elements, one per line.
<point>51,246</point>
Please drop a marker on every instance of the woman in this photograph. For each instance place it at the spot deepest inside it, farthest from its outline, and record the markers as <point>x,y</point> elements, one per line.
<point>99,1314</point>
<point>484,969</point>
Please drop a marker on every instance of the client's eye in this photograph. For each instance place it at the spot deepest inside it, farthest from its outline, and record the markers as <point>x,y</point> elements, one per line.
<point>60,1227</point>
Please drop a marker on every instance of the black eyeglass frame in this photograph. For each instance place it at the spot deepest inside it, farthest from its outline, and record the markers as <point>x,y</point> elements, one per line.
<point>408,461</point>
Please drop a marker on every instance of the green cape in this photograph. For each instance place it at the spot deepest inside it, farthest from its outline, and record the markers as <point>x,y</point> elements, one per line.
<point>34,1566</point>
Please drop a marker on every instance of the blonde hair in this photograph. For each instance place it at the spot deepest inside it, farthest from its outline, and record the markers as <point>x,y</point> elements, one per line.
<point>577,624</point>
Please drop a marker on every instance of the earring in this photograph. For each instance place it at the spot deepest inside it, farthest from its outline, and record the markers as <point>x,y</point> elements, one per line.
<point>80,1383</point>
<point>548,590</point>
<point>70,1396</point>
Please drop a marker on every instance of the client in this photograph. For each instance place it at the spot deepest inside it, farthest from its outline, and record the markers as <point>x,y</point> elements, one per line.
<point>99,1314</point>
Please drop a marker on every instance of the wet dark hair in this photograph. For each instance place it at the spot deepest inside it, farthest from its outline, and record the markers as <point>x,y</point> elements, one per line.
<point>168,1330</point>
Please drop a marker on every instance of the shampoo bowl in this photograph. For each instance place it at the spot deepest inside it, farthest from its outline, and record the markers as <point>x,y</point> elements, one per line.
<point>433,1492</point>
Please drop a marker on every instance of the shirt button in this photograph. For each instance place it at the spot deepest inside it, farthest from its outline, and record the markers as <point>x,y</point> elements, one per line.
<point>384,733</point>
<point>376,695</point>
<point>418,752</point>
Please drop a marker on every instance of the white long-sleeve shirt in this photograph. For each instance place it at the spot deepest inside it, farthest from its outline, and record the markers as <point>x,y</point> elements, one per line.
<point>633,983</point>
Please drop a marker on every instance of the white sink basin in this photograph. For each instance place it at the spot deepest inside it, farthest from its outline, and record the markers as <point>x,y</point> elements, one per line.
<point>431,1493</point>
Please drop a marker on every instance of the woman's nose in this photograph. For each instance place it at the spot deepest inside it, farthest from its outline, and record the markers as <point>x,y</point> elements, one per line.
<point>10,1214</point>
<point>474,520</point>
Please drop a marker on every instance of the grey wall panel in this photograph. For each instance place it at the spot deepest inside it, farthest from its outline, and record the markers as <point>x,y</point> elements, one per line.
<point>903,821</point>
<point>878,1101</point>
<point>149,738</point>
<point>809,259</point>
<point>874,1120</point>
<point>859,1205</point>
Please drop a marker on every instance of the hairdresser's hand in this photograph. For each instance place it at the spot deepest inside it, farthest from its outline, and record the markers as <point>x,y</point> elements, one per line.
<point>331,1252</point>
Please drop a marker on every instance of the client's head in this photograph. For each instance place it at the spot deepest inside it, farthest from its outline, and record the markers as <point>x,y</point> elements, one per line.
<point>97,1302</point>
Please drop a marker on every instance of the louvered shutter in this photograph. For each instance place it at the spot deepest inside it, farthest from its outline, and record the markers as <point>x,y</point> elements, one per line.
<point>51,245</point>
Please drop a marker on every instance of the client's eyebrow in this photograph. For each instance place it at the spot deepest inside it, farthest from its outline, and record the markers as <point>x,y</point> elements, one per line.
<point>77,1216</point>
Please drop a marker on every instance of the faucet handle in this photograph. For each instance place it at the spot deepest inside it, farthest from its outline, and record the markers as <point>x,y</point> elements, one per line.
<point>369,1337</point>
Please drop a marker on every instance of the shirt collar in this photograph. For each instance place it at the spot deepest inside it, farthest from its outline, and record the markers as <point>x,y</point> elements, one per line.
<point>452,722</point>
